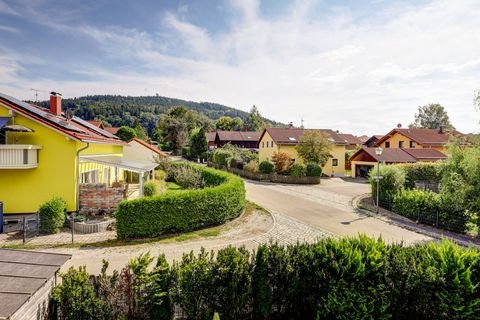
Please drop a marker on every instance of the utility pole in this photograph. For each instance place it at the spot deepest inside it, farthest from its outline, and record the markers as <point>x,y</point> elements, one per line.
<point>36,93</point>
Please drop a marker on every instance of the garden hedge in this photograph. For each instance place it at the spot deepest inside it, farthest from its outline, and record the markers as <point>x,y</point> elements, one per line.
<point>358,278</point>
<point>221,200</point>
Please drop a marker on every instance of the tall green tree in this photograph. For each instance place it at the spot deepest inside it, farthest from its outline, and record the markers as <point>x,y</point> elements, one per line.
<point>126,133</point>
<point>314,147</point>
<point>229,124</point>
<point>254,121</point>
<point>139,130</point>
<point>432,116</point>
<point>198,142</point>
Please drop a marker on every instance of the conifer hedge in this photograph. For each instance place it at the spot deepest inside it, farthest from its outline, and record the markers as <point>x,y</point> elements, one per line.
<point>357,278</point>
<point>222,199</point>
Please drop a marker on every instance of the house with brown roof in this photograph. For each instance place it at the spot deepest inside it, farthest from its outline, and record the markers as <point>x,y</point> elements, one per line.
<point>371,141</point>
<point>101,125</point>
<point>352,141</point>
<point>286,139</point>
<point>211,139</point>
<point>366,158</point>
<point>242,139</point>
<point>417,138</point>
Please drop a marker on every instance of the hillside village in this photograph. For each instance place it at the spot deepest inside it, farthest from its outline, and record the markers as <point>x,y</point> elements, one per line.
<point>225,160</point>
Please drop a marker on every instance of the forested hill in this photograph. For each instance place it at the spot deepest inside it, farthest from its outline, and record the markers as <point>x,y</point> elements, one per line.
<point>123,110</point>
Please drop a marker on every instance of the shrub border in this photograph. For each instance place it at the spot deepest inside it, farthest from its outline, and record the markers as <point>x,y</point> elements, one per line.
<point>270,177</point>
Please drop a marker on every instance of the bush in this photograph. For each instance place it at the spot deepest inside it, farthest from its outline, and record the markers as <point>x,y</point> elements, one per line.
<point>282,161</point>
<point>313,170</point>
<point>391,183</point>
<point>220,156</point>
<point>420,171</point>
<point>52,215</point>
<point>231,162</point>
<point>160,174</point>
<point>298,170</point>
<point>221,200</point>
<point>410,202</point>
<point>252,166</point>
<point>347,278</point>
<point>266,167</point>
<point>188,177</point>
<point>150,189</point>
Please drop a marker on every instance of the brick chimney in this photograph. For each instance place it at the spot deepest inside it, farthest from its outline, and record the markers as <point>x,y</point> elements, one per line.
<point>56,103</point>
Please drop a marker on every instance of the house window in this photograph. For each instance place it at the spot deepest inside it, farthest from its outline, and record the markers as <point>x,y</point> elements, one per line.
<point>335,162</point>
<point>267,144</point>
<point>263,144</point>
<point>271,143</point>
<point>387,144</point>
<point>91,176</point>
<point>412,144</point>
<point>400,144</point>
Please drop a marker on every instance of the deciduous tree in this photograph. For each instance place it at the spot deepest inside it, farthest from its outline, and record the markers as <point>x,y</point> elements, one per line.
<point>254,121</point>
<point>282,161</point>
<point>126,133</point>
<point>432,116</point>
<point>314,147</point>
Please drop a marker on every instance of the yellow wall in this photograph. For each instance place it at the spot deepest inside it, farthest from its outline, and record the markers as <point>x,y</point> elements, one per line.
<point>337,152</point>
<point>397,137</point>
<point>24,190</point>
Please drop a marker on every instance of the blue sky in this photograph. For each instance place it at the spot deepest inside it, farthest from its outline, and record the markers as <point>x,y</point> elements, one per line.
<point>356,66</point>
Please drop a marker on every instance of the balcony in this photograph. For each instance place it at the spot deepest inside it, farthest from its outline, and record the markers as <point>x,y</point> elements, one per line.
<point>18,156</point>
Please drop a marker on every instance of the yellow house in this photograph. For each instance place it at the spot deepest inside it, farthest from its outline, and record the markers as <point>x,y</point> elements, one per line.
<point>417,138</point>
<point>47,152</point>
<point>286,139</point>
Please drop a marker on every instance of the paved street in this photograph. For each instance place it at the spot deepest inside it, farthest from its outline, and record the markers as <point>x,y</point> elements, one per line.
<point>327,207</point>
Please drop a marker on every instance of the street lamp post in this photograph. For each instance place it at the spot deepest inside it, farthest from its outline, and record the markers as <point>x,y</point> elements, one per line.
<point>378,152</point>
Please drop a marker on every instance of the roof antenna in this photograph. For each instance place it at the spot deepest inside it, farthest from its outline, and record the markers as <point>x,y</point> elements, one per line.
<point>36,93</point>
<point>301,121</point>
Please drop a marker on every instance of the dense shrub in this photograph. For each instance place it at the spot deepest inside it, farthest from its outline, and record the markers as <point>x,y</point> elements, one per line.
<point>391,183</point>
<point>313,170</point>
<point>222,199</point>
<point>266,167</point>
<point>359,278</point>
<point>411,203</point>
<point>150,189</point>
<point>298,170</point>
<point>231,162</point>
<point>282,161</point>
<point>188,177</point>
<point>252,166</point>
<point>52,215</point>
<point>220,156</point>
<point>160,174</point>
<point>420,171</point>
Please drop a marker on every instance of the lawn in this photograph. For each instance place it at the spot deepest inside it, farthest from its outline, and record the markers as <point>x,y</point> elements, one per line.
<point>172,186</point>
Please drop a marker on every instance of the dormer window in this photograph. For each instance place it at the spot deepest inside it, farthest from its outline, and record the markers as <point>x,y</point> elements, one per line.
<point>413,144</point>
<point>292,139</point>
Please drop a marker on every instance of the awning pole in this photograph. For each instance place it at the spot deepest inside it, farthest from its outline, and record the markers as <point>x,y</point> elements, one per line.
<point>140,191</point>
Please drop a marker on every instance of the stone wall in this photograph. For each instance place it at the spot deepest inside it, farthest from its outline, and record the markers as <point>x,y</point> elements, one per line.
<point>97,198</point>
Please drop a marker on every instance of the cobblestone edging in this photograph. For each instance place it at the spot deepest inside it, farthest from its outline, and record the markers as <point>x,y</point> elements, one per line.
<point>403,222</point>
<point>87,228</point>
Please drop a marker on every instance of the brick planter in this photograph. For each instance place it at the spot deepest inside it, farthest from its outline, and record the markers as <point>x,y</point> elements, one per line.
<point>97,197</point>
<point>93,227</point>
<point>271,177</point>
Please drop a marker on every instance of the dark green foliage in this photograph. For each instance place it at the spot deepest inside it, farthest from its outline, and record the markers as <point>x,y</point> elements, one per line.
<point>198,143</point>
<point>409,203</point>
<point>222,199</point>
<point>391,183</point>
<point>150,189</point>
<point>313,170</point>
<point>126,133</point>
<point>356,278</point>
<point>420,171</point>
<point>298,170</point>
<point>75,297</point>
<point>266,167</point>
<point>233,157</point>
<point>220,156</point>
<point>52,215</point>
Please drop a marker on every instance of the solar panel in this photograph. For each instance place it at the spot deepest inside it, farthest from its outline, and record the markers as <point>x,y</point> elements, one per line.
<point>94,128</point>
<point>43,114</point>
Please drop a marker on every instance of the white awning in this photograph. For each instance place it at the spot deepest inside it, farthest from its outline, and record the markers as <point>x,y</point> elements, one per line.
<point>121,162</point>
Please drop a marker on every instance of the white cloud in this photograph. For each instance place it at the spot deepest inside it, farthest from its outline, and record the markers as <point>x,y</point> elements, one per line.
<point>9,29</point>
<point>342,72</point>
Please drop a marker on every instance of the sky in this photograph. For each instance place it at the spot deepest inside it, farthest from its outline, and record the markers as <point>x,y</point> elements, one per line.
<point>355,66</point>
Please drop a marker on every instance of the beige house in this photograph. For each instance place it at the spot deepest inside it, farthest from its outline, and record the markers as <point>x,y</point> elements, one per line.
<point>286,139</point>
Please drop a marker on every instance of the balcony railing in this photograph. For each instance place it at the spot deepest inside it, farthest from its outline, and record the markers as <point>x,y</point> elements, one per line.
<point>18,156</point>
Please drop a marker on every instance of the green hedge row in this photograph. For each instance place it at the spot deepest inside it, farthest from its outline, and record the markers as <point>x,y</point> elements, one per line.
<point>221,200</point>
<point>359,278</point>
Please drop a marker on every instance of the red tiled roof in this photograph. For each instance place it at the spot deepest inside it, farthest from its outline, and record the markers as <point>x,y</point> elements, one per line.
<point>211,136</point>
<point>425,154</point>
<point>293,135</point>
<point>397,155</point>
<point>112,130</point>
<point>350,139</point>
<point>95,122</point>
<point>422,136</point>
<point>238,135</point>
<point>75,128</point>
<point>149,146</point>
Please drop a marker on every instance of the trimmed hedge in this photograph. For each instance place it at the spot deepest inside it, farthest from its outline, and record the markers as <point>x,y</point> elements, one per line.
<point>150,189</point>
<point>52,215</point>
<point>420,171</point>
<point>357,278</point>
<point>313,169</point>
<point>298,170</point>
<point>221,200</point>
<point>266,167</point>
